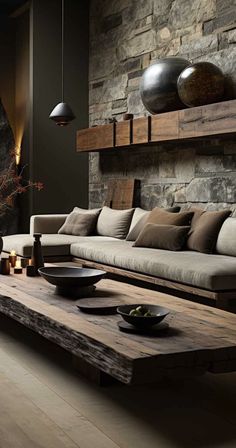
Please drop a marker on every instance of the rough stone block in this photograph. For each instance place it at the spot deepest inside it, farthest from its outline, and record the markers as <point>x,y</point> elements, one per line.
<point>94,170</point>
<point>101,67</point>
<point>138,45</point>
<point>185,13</point>
<point>185,165</point>
<point>112,89</point>
<point>119,103</point>
<point>141,9</point>
<point>199,47</point>
<point>146,60</point>
<point>227,38</point>
<point>132,64</point>
<point>167,164</point>
<point>220,23</point>
<point>231,189</point>
<point>135,105</point>
<point>133,84</point>
<point>229,162</point>
<point>135,74</point>
<point>150,196</point>
<point>180,196</point>
<point>161,11</point>
<point>206,190</point>
<point>209,164</point>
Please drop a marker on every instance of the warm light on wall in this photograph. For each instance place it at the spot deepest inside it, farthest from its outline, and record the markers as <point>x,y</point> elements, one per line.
<point>18,141</point>
<point>18,154</point>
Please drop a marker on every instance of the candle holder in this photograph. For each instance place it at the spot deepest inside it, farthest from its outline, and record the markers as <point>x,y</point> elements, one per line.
<point>18,269</point>
<point>12,258</point>
<point>30,270</point>
<point>5,266</point>
<point>24,262</point>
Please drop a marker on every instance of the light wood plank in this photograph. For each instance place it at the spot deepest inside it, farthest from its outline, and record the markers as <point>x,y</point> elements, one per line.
<point>24,391</point>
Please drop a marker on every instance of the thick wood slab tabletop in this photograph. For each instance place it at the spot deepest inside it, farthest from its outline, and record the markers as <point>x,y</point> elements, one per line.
<point>199,339</point>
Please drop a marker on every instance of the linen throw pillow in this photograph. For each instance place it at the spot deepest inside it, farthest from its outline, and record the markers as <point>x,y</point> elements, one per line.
<point>204,230</point>
<point>94,211</point>
<point>159,216</point>
<point>158,236</point>
<point>79,224</point>
<point>226,241</point>
<point>114,223</point>
<point>139,220</point>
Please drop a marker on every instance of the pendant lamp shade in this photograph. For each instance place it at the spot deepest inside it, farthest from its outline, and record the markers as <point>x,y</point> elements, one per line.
<point>62,113</point>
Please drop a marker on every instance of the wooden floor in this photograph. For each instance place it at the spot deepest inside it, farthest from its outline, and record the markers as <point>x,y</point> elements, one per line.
<point>45,403</point>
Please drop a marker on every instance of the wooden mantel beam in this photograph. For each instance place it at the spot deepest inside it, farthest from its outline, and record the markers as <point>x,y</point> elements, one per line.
<point>202,121</point>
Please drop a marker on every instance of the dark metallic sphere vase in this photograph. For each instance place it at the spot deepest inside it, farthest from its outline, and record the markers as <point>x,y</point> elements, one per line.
<point>158,86</point>
<point>201,83</point>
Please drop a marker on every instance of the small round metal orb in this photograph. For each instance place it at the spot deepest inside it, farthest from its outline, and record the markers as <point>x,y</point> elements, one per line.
<point>201,83</point>
<point>62,114</point>
<point>158,86</point>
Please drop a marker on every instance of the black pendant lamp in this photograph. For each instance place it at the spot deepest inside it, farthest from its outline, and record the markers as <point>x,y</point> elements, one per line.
<point>62,113</point>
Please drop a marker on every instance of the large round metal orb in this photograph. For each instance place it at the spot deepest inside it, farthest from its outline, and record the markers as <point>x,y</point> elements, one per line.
<point>158,86</point>
<point>201,83</point>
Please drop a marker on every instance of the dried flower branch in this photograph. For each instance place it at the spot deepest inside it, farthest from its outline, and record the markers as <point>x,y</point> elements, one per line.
<point>13,184</point>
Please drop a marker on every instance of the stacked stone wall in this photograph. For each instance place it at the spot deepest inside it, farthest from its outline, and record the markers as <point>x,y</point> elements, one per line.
<point>126,36</point>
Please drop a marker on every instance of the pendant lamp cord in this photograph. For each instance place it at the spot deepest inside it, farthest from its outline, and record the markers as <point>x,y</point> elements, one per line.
<point>62,50</point>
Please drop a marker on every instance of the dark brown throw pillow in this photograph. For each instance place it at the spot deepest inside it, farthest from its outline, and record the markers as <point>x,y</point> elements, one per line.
<point>159,216</point>
<point>204,230</point>
<point>158,236</point>
<point>79,224</point>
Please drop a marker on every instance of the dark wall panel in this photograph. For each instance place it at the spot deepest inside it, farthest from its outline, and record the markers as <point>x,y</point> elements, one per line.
<point>54,160</point>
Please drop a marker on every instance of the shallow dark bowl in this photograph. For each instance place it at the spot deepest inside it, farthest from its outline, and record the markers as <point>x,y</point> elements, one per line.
<point>142,321</point>
<point>71,276</point>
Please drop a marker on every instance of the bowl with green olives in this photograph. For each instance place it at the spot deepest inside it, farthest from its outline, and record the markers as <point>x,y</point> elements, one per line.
<point>142,316</point>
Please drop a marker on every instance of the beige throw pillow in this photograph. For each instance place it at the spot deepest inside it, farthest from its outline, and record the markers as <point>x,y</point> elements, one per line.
<point>226,241</point>
<point>94,211</point>
<point>79,224</point>
<point>114,223</point>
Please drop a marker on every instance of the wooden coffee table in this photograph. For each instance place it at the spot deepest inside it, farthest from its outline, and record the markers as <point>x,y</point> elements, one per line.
<point>200,339</point>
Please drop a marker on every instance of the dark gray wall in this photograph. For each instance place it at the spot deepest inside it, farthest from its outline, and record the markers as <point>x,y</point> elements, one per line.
<point>7,64</point>
<point>53,156</point>
<point>22,100</point>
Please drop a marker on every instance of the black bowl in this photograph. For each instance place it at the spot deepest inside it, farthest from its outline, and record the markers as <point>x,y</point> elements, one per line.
<point>64,277</point>
<point>143,321</point>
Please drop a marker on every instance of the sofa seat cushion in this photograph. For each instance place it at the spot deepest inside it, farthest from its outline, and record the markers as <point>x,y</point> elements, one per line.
<point>213,272</point>
<point>52,244</point>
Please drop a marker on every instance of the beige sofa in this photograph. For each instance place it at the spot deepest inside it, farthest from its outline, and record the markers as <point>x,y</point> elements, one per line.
<point>210,276</point>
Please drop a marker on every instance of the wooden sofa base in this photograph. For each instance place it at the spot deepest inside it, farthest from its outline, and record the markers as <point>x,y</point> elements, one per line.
<point>225,300</point>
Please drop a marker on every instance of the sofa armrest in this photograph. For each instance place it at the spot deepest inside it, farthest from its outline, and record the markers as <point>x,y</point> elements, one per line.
<point>46,223</point>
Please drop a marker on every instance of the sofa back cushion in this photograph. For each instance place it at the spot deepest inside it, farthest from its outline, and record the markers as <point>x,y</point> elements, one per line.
<point>226,241</point>
<point>114,223</point>
<point>139,220</point>
<point>161,216</point>
<point>204,230</point>
<point>79,224</point>
<point>158,236</point>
